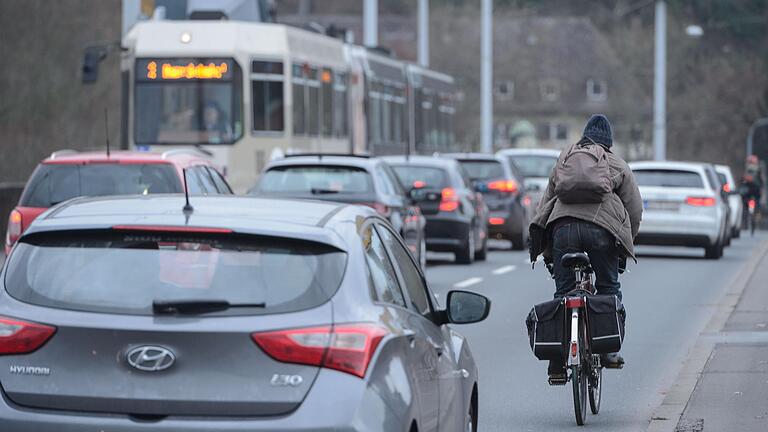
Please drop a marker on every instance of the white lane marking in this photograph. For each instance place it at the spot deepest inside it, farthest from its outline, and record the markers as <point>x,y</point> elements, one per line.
<point>468,282</point>
<point>505,269</point>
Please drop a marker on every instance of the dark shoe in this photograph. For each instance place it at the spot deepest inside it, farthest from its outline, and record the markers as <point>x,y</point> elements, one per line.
<point>612,361</point>
<point>557,373</point>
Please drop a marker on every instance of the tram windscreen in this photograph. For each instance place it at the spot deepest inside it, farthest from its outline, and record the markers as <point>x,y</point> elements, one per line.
<point>188,101</point>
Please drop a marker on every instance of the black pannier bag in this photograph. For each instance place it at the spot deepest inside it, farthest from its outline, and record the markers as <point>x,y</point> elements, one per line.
<point>605,319</point>
<point>546,330</point>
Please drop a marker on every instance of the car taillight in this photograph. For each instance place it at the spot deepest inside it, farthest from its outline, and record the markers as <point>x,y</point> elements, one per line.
<point>527,201</point>
<point>509,186</point>
<point>14,228</point>
<point>347,348</point>
<point>496,221</point>
<point>449,201</point>
<point>21,337</point>
<point>700,201</point>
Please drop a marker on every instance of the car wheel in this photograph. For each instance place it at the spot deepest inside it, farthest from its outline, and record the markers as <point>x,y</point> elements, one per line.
<point>736,232</point>
<point>482,254</point>
<point>472,416</point>
<point>715,251</point>
<point>466,255</point>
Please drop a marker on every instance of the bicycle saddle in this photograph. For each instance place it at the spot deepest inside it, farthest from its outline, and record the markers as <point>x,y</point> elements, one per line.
<point>575,259</point>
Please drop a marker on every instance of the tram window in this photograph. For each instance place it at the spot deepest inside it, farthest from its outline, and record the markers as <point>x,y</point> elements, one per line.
<point>267,67</point>
<point>374,117</point>
<point>386,105</point>
<point>327,101</point>
<point>267,105</point>
<point>314,103</point>
<point>299,113</point>
<point>340,106</point>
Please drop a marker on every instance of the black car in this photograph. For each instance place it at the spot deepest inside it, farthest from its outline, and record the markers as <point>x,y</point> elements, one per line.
<point>456,214</point>
<point>353,179</point>
<point>501,184</point>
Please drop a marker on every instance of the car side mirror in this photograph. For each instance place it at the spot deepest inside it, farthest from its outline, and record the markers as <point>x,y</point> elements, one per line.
<point>464,307</point>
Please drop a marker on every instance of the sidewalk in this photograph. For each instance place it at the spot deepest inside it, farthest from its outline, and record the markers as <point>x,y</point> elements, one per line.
<point>731,393</point>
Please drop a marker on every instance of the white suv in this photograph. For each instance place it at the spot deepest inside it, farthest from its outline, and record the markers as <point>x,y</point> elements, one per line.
<point>683,206</point>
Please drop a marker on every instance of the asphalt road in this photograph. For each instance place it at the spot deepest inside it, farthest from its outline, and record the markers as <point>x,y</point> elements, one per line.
<point>669,295</point>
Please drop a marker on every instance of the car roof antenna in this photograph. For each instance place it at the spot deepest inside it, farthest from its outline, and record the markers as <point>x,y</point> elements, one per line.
<point>106,130</point>
<point>188,209</point>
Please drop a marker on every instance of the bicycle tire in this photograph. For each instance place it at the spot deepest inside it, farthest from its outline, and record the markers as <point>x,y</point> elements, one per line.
<point>595,388</point>
<point>579,378</point>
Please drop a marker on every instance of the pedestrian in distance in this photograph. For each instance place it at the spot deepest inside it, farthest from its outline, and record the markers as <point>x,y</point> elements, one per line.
<point>592,204</point>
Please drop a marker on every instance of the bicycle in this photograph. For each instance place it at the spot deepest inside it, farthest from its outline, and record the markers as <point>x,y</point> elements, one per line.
<point>751,205</point>
<point>586,371</point>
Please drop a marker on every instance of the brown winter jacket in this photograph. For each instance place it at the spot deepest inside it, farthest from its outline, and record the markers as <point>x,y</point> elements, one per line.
<point>620,212</point>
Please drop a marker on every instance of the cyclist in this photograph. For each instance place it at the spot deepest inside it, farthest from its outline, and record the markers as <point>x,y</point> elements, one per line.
<point>604,228</point>
<point>751,185</point>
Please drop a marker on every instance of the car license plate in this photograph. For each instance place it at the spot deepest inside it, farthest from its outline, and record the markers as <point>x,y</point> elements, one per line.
<point>671,206</point>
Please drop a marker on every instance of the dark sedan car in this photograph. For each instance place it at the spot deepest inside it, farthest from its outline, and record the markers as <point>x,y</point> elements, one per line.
<point>241,314</point>
<point>502,186</point>
<point>351,179</point>
<point>456,214</point>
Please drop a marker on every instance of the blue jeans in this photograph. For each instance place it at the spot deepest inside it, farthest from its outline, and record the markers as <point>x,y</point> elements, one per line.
<point>598,243</point>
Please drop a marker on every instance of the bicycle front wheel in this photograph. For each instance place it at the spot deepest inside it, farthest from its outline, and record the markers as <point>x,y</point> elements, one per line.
<point>579,377</point>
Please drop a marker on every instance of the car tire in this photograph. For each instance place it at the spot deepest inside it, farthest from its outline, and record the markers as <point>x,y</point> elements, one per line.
<point>736,232</point>
<point>471,425</point>
<point>466,255</point>
<point>482,254</point>
<point>715,251</point>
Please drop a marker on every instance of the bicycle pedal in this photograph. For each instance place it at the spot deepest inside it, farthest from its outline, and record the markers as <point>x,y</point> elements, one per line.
<point>557,381</point>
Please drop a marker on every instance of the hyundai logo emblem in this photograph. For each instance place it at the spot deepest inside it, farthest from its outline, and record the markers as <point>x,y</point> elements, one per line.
<point>149,358</point>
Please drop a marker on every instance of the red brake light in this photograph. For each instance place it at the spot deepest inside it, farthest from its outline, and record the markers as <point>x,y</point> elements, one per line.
<point>527,201</point>
<point>574,302</point>
<point>496,221</point>
<point>347,348</point>
<point>185,229</point>
<point>700,201</point>
<point>449,201</point>
<point>418,184</point>
<point>21,337</point>
<point>14,228</point>
<point>509,186</point>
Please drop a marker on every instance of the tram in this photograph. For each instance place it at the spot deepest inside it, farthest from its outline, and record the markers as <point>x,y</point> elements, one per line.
<point>246,92</point>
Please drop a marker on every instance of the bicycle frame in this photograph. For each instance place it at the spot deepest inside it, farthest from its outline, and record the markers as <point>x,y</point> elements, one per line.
<point>574,305</point>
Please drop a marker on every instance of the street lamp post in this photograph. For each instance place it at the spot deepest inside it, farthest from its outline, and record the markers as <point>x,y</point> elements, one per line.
<point>660,83</point>
<point>486,75</point>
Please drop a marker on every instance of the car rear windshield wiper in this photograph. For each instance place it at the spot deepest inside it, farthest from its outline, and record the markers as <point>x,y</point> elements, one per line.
<point>194,307</point>
<point>318,191</point>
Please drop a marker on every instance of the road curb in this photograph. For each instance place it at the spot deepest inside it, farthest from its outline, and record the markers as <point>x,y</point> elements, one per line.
<point>666,417</point>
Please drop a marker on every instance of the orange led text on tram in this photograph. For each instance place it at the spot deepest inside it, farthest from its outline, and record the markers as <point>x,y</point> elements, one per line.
<point>190,71</point>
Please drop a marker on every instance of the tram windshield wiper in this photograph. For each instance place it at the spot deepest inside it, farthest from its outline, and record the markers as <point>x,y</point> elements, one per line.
<point>194,307</point>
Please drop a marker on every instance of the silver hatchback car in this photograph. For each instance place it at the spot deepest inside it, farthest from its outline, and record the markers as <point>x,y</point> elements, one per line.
<point>240,314</point>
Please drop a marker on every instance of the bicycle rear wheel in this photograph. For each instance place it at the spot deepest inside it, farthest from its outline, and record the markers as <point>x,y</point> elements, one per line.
<point>595,387</point>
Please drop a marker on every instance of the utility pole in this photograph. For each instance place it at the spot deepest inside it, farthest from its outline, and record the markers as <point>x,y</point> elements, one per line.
<point>424,33</point>
<point>660,83</point>
<point>486,72</point>
<point>371,23</point>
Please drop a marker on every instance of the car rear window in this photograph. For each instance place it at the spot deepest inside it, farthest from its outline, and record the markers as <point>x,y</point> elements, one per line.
<point>421,176</point>
<point>316,179</point>
<point>124,272</point>
<point>483,170</point>
<point>669,178</point>
<point>54,183</point>
<point>534,166</point>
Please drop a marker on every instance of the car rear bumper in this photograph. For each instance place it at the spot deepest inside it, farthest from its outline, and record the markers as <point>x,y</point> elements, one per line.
<point>320,411</point>
<point>446,233</point>
<point>679,230</point>
<point>512,226</point>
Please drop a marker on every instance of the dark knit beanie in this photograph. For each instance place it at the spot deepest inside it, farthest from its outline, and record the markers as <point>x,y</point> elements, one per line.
<point>598,129</point>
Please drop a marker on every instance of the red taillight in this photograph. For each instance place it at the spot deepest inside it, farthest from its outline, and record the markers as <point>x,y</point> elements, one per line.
<point>574,302</point>
<point>14,228</point>
<point>418,184</point>
<point>527,201</point>
<point>496,221</point>
<point>509,186</point>
<point>449,200</point>
<point>347,348</point>
<point>21,337</point>
<point>700,201</point>
<point>751,204</point>
<point>574,350</point>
